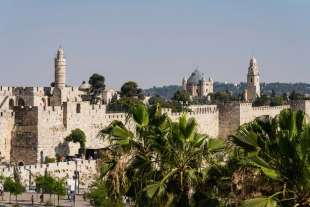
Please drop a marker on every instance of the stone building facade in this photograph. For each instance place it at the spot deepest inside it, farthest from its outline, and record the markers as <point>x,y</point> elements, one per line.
<point>34,121</point>
<point>196,85</point>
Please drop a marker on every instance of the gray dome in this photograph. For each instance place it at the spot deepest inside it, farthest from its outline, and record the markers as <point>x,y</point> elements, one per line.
<point>195,77</point>
<point>84,86</point>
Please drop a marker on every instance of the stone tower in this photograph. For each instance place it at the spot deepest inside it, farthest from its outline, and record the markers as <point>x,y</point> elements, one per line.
<point>184,83</point>
<point>203,87</point>
<point>253,86</point>
<point>60,69</point>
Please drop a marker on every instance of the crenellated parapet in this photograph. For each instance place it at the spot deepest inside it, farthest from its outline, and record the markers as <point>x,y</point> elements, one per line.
<point>39,131</point>
<point>206,116</point>
<point>61,170</point>
<point>234,114</point>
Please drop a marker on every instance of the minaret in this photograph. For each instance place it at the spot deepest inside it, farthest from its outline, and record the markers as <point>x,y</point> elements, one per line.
<point>253,87</point>
<point>60,69</point>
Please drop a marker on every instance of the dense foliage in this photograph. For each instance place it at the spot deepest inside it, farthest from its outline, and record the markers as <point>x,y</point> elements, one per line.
<point>77,136</point>
<point>123,104</point>
<point>175,106</point>
<point>49,185</point>
<point>182,96</point>
<point>236,89</point>
<point>130,95</point>
<point>97,83</point>
<point>224,96</point>
<point>130,89</point>
<point>159,162</point>
<point>13,186</point>
<point>279,147</point>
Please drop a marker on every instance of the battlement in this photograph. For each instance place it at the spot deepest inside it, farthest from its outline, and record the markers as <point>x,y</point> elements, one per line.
<point>6,90</point>
<point>62,170</point>
<point>115,116</point>
<point>55,165</point>
<point>197,110</point>
<point>29,91</point>
<point>267,108</point>
<point>203,109</point>
<point>245,104</point>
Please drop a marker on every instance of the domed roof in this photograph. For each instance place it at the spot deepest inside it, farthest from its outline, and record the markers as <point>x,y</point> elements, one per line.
<point>84,86</point>
<point>195,77</point>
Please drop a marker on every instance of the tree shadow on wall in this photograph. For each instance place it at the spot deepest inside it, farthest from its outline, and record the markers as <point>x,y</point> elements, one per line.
<point>62,149</point>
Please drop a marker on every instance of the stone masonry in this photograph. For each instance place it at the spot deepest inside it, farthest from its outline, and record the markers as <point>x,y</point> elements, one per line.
<point>34,121</point>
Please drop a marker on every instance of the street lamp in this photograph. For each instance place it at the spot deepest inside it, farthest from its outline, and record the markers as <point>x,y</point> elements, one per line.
<point>76,178</point>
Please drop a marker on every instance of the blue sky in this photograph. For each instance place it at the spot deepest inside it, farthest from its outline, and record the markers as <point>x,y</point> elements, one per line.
<point>154,42</point>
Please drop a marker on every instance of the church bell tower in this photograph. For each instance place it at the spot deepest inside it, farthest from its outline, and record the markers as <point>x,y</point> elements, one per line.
<point>253,86</point>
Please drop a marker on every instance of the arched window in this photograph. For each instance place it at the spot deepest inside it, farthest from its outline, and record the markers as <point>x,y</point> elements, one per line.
<point>78,108</point>
<point>43,102</point>
<point>41,157</point>
<point>11,104</point>
<point>21,102</point>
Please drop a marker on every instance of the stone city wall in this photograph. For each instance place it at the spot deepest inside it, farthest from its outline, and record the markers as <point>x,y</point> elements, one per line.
<point>55,123</point>
<point>63,170</point>
<point>207,117</point>
<point>233,115</point>
<point>7,121</point>
<point>303,105</point>
<point>249,113</point>
<point>40,131</point>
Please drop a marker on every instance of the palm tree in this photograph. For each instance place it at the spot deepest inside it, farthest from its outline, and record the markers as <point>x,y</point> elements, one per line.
<point>157,162</point>
<point>280,148</point>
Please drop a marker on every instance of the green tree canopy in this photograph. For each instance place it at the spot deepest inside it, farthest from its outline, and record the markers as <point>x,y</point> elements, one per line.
<point>77,136</point>
<point>130,90</point>
<point>50,185</point>
<point>181,96</point>
<point>296,96</point>
<point>13,187</point>
<point>223,96</point>
<point>279,147</point>
<point>97,82</point>
<point>160,161</point>
<point>45,184</point>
